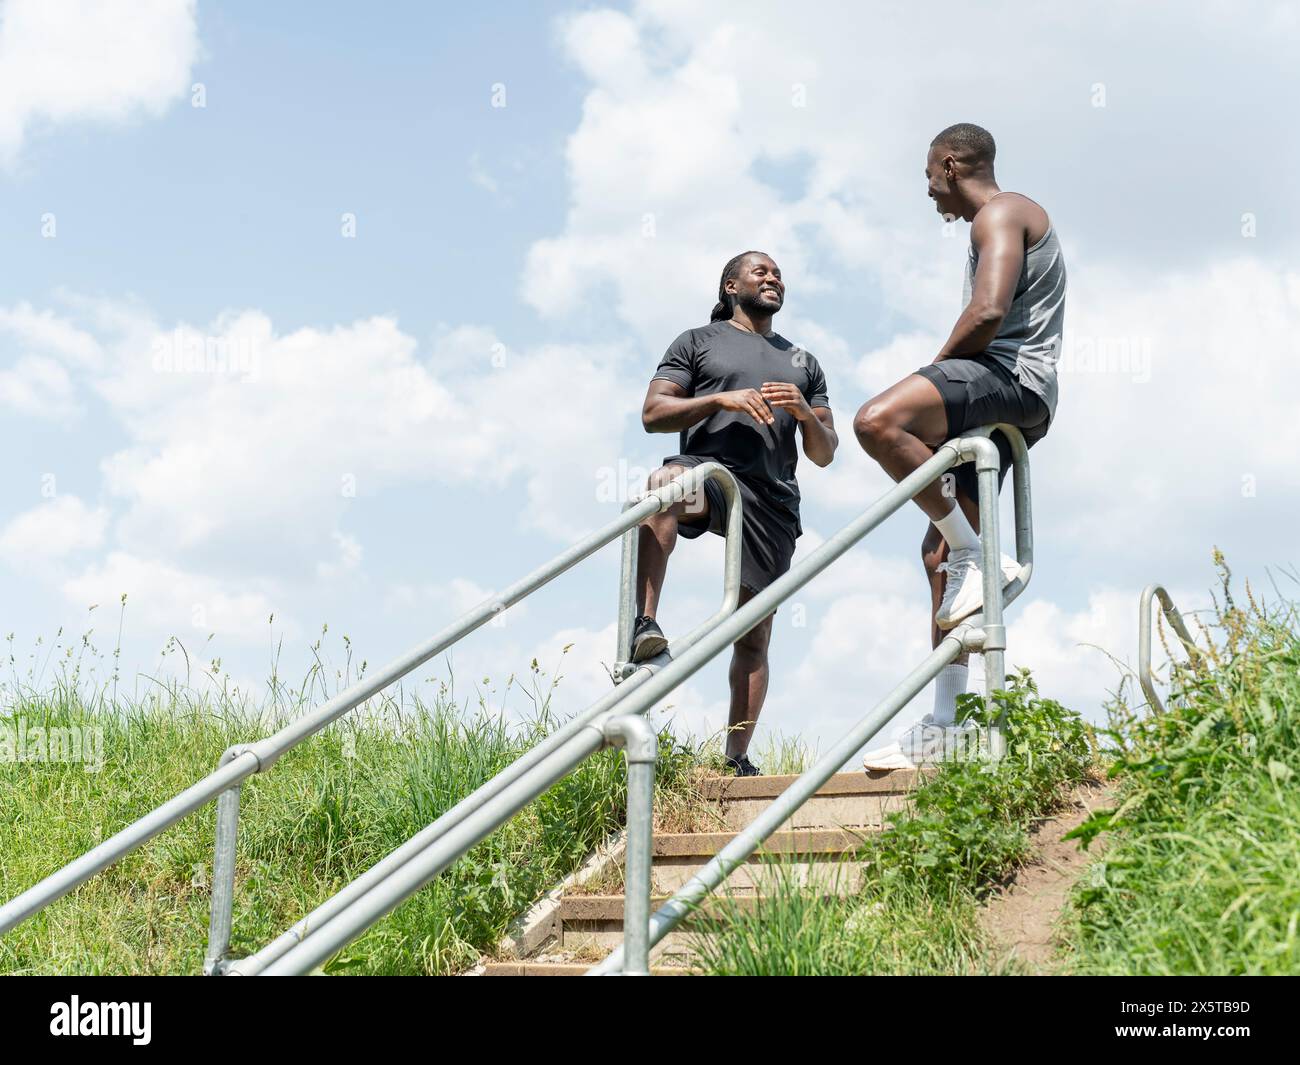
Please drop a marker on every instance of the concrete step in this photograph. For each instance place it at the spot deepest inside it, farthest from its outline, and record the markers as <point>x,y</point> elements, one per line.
<point>590,926</point>
<point>820,857</point>
<point>609,908</point>
<point>560,968</point>
<point>594,924</point>
<point>847,800</point>
<point>814,848</point>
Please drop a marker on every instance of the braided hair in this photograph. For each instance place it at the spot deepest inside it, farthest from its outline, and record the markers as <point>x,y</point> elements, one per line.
<point>725,306</point>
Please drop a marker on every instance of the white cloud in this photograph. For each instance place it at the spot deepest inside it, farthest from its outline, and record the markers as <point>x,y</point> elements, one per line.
<point>660,184</point>
<point>229,483</point>
<point>39,387</point>
<point>873,624</point>
<point>91,60</point>
<point>870,621</point>
<point>584,672</point>
<point>688,150</point>
<point>44,333</point>
<point>175,600</point>
<point>452,599</point>
<point>244,449</point>
<point>480,177</point>
<point>59,527</point>
<point>1166,387</point>
<point>234,429</point>
<point>346,560</point>
<point>678,160</point>
<point>1079,657</point>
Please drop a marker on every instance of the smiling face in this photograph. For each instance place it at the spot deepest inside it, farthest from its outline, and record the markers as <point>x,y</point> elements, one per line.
<point>941,185</point>
<point>757,286</point>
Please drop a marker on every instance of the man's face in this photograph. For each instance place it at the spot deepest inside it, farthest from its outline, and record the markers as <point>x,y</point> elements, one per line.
<point>758,287</point>
<point>939,184</point>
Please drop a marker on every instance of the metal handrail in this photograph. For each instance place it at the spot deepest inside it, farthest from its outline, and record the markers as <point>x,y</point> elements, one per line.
<point>242,761</point>
<point>363,911</point>
<point>979,633</point>
<point>403,872</point>
<point>592,721</point>
<point>1145,675</point>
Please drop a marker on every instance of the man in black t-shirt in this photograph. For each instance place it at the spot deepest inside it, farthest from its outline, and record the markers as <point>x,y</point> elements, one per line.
<point>738,394</point>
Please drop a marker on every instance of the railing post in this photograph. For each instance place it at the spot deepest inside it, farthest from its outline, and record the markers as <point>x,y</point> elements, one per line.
<point>223,874</point>
<point>626,599</point>
<point>716,871</point>
<point>641,747</point>
<point>987,464</point>
<point>1145,676</point>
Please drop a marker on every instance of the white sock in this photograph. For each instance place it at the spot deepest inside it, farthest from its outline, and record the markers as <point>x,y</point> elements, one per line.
<point>950,683</point>
<point>957,531</point>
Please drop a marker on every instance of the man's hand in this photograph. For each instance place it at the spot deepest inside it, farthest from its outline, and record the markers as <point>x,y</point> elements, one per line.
<point>746,401</point>
<point>787,396</point>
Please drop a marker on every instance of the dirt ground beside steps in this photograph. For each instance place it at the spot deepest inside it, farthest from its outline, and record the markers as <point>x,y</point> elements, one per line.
<point>1021,916</point>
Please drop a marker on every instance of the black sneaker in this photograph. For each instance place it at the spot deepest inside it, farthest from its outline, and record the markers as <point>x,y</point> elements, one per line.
<point>648,639</point>
<point>743,767</point>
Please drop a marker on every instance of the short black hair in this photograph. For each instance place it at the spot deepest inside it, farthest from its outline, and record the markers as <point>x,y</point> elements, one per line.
<point>968,142</point>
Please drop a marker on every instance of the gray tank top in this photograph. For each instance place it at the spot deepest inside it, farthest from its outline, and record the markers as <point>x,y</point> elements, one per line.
<point>1028,342</point>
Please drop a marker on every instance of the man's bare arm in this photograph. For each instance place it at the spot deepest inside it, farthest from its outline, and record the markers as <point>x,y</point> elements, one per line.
<point>998,234</point>
<point>816,426</point>
<point>819,437</point>
<point>668,409</point>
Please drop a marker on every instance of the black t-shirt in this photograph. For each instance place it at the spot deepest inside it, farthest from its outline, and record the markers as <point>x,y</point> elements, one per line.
<point>720,357</point>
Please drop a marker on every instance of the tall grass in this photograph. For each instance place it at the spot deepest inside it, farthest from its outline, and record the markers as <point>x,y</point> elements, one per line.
<point>773,753</point>
<point>328,810</point>
<point>1204,841</point>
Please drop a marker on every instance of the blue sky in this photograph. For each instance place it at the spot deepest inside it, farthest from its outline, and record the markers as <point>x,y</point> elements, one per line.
<point>439,399</point>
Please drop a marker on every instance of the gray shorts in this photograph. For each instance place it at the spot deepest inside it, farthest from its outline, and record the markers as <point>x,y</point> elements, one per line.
<point>978,390</point>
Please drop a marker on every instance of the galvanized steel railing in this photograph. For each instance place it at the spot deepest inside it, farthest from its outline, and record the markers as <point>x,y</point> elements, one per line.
<point>584,732</point>
<point>385,885</point>
<point>359,914</point>
<point>985,633</point>
<point>1145,676</point>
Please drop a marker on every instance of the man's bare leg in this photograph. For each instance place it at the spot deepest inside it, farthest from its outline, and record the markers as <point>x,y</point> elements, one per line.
<point>900,428</point>
<point>657,536</point>
<point>748,677</point>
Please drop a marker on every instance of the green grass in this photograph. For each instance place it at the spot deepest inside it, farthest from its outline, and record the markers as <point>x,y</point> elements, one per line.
<point>885,930</point>
<point>774,753</point>
<point>916,911</point>
<point>328,810</point>
<point>1199,875</point>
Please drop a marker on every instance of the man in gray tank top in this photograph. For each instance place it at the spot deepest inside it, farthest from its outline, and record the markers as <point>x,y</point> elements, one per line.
<point>998,365</point>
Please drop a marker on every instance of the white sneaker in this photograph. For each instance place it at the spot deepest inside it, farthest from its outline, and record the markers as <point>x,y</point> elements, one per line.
<point>963,593</point>
<point>925,743</point>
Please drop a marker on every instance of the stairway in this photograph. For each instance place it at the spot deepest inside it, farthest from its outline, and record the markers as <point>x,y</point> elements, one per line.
<point>581,921</point>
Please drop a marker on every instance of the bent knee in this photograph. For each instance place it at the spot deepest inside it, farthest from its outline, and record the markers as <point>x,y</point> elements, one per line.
<point>875,423</point>
<point>660,477</point>
<point>755,642</point>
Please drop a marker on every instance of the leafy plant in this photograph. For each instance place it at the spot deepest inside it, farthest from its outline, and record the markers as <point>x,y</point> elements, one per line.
<point>1204,839</point>
<point>915,911</point>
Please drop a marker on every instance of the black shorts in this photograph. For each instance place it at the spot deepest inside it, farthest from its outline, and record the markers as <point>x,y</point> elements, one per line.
<point>978,390</point>
<point>767,537</point>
